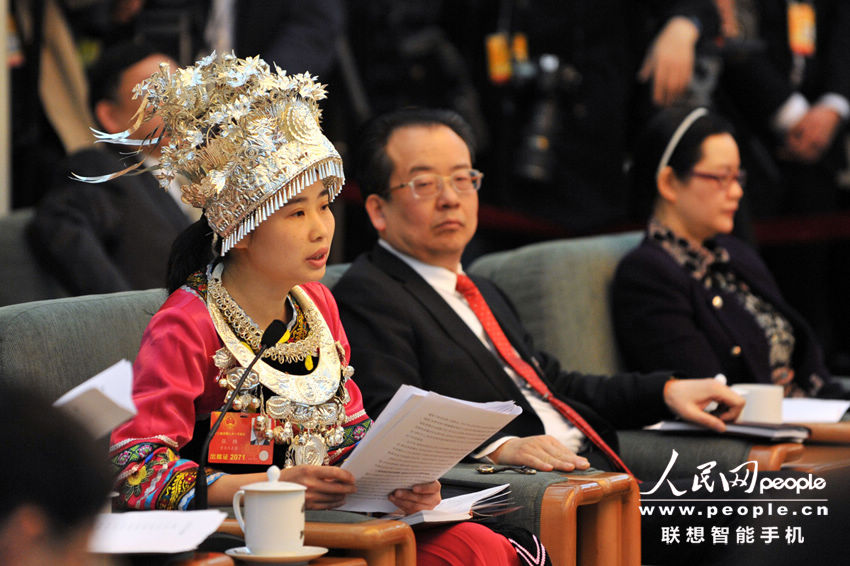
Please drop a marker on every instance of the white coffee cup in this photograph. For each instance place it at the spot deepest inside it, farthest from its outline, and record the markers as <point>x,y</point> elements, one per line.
<point>273,522</point>
<point>764,402</point>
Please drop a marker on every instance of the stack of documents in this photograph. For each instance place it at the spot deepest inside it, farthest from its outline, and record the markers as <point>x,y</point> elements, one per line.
<point>418,437</point>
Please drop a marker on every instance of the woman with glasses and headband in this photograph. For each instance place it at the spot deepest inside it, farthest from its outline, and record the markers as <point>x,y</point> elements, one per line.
<point>692,298</point>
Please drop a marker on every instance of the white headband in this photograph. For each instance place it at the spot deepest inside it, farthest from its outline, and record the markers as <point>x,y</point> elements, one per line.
<point>677,137</point>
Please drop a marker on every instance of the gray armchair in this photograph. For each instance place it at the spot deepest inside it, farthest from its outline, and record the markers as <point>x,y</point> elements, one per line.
<point>561,289</point>
<point>54,345</point>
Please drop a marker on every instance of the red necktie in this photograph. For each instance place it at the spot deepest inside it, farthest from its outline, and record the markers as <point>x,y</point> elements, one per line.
<point>470,292</point>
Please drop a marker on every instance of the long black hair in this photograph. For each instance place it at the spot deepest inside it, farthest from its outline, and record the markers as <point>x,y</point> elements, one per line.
<point>191,251</point>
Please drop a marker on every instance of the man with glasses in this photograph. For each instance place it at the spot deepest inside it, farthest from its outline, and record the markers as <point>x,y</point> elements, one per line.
<point>412,316</point>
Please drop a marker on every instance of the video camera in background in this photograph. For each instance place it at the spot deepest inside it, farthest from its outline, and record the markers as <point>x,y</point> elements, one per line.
<point>553,81</point>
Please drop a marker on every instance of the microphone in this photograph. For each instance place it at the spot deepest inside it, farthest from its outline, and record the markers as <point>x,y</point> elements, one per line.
<point>270,337</point>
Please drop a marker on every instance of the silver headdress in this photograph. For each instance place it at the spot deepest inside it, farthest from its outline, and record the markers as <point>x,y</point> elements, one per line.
<point>247,139</point>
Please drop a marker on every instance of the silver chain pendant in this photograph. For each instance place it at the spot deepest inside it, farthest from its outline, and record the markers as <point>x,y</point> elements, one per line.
<point>309,449</point>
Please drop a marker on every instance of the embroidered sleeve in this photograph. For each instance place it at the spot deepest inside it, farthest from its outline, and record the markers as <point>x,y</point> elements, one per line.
<point>152,476</point>
<point>173,364</point>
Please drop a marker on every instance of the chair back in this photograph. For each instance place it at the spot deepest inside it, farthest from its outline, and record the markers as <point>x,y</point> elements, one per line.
<point>561,289</point>
<point>333,274</point>
<point>54,345</point>
<point>21,277</point>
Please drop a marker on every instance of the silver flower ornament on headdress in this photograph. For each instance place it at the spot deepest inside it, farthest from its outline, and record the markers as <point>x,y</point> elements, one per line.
<point>247,139</point>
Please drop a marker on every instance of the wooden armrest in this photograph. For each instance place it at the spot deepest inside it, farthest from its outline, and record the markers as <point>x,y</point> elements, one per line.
<point>379,541</point>
<point>770,457</point>
<point>206,559</point>
<point>820,458</point>
<point>593,517</point>
<point>835,433</point>
<point>367,534</point>
<point>609,519</point>
<point>558,520</point>
<point>230,527</point>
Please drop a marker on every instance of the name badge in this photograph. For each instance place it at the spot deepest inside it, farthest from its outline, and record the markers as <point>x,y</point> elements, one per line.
<point>801,28</point>
<point>238,442</point>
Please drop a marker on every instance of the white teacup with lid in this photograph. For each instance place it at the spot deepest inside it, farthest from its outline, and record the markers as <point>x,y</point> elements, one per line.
<point>764,402</point>
<point>273,522</point>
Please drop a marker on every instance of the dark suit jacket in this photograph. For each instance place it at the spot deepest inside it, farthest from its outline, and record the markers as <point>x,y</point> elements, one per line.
<point>402,331</point>
<point>113,236</point>
<point>664,318</point>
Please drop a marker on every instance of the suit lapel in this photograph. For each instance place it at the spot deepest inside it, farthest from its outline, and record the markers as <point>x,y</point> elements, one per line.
<point>137,190</point>
<point>444,316</point>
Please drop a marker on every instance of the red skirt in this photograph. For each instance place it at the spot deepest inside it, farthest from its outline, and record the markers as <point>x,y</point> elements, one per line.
<point>464,544</point>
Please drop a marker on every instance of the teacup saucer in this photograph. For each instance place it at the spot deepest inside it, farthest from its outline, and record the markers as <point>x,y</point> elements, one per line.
<point>303,554</point>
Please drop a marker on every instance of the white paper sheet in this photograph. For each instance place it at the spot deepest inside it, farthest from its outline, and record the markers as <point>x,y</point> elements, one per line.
<point>418,437</point>
<point>136,532</point>
<point>805,410</point>
<point>466,501</point>
<point>458,508</point>
<point>104,401</point>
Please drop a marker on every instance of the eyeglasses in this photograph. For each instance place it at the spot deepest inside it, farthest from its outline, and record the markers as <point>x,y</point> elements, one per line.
<point>429,185</point>
<point>725,181</point>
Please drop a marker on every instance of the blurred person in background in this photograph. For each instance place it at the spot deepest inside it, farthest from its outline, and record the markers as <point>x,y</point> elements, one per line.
<point>113,236</point>
<point>52,483</point>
